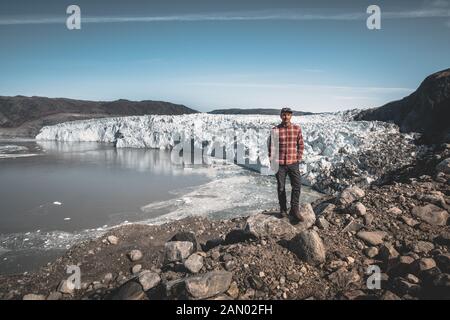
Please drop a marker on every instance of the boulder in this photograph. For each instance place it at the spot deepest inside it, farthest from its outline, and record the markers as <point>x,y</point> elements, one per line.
<point>194,263</point>
<point>308,246</point>
<point>443,262</point>
<point>371,252</point>
<point>387,252</point>
<point>350,195</point>
<point>238,235</point>
<point>373,238</point>
<point>208,285</point>
<point>443,238</point>
<point>421,246</point>
<point>306,217</point>
<point>343,278</point>
<point>112,240</point>
<point>322,223</point>
<point>422,264</point>
<point>358,209</point>
<point>394,211</point>
<point>324,209</point>
<point>261,225</point>
<point>178,250</point>
<point>187,236</point>
<point>444,166</point>
<point>135,255</point>
<point>431,214</point>
<point>130,290</point>
<point>353,226</point>
<point>148,279</point>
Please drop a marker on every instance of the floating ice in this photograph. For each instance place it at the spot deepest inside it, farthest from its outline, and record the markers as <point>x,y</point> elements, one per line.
<point>57,203</point>
<point>12,148</point>
<point>16,155</point>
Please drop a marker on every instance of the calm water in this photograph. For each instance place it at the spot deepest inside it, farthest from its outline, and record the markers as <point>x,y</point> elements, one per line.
<point>53,194</point>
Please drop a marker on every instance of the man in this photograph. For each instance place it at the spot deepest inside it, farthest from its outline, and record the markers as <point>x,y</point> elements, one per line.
<point>290,153</point>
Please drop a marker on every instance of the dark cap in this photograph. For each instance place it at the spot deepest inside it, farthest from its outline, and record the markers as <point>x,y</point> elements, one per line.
<point>289,110</point>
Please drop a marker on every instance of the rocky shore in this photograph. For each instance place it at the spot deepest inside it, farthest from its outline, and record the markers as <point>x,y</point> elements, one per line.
<point>398,224</point>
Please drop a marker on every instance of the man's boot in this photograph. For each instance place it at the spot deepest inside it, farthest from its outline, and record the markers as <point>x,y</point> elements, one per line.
<point>295,214</point>
<point>283,214</point>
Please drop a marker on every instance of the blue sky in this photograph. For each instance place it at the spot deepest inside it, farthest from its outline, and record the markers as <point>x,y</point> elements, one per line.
<point>309,55</point>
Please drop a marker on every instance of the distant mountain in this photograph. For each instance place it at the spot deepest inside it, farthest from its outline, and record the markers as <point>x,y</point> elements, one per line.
<point>24,116</point>
<point>256,111</point>
<point>427,110</point>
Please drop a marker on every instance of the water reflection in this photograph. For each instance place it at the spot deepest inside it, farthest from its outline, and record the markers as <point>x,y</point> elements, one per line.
<point>141,160</point>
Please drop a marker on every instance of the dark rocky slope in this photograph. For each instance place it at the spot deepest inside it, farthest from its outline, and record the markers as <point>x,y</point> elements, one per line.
<point>25,116</point>
<point>427,110</point>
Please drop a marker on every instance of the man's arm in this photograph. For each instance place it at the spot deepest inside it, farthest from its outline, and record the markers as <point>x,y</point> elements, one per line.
<point>300,145</point>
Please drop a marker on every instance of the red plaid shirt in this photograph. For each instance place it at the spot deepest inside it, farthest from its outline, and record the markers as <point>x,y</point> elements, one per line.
<point>290,144</point>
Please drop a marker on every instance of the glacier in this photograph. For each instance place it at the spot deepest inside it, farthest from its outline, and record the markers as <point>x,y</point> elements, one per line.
<point>330,138</point>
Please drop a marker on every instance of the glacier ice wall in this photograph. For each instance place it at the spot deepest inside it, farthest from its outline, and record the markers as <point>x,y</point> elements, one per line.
<point>329,138</point>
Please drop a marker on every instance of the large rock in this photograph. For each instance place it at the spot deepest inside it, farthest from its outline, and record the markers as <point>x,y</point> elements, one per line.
<point>373,238</point>
<point>421,265</point>
<point>444,166</point>
<point>178,250</point>
<point>187,236</point>
<point>371,252</point>
<point>306,217</point>
<point>112,240</point>
<point>403,287</point>
<point>434,197</point>
<point>175,289</point>
<point>342,278</point>
<point>421,246</point>
<point>308,246</point>
<point>238,235</point>
<point>322,223</point>
<point>325,209</point>
<point>388,254</point>
<point>402,266</point>
<point>135,255</point>
<point>358,208</point>
<point>443,238</point>
<point>353,226</point>
<point>431,214</point>
<point>130,290</point>
<point>350,195</point>
<point>261,225</point>
<point>194,263</point>
<point>443,262</point>
<point>148,279</point>
<point>208,285</point>
<point>212,243</point>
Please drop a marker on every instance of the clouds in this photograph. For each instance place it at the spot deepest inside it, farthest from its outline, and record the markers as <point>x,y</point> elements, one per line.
<point>439,9</point>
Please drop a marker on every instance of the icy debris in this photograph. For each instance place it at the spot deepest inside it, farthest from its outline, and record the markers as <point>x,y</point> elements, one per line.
<point>330,139</point>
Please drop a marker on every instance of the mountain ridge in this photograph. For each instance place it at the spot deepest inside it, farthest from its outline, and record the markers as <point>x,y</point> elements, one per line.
<point>22,116</point>
<point>425,111</point>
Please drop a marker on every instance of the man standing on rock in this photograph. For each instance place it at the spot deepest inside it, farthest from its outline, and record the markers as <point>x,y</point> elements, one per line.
<point>287,157</point>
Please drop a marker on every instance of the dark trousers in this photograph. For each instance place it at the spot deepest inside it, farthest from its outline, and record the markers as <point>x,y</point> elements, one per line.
<point>291,170</point>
